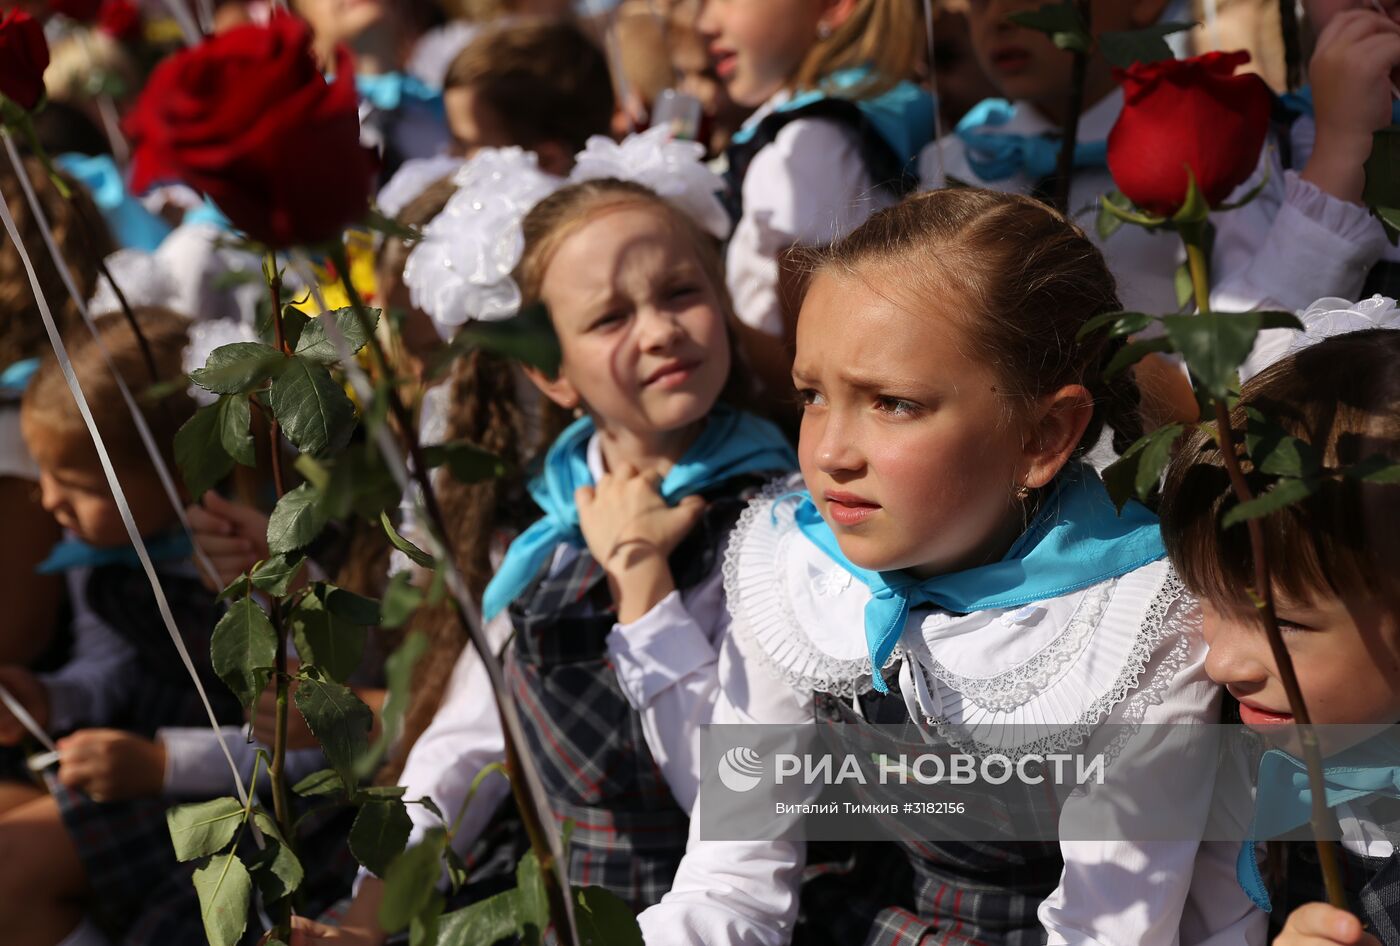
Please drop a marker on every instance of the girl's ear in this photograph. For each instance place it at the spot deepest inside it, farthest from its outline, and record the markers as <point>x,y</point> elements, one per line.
<point>1057,427</point>
<point>837,12</point>
<point>557,389</point>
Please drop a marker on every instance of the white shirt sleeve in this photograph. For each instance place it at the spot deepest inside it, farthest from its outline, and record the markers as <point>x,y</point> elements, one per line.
<point>735,892</point>
<point>97,679</point>
<point>1152,893</point>
<point>809,186</point>
<point>667,664</point>
<point>195,766</point>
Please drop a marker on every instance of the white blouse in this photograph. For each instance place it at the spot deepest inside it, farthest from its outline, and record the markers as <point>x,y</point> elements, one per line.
<point>1125,651</point>
<point>808,187</point>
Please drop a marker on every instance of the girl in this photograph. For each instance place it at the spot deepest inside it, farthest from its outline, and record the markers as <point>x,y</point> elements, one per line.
<point>834,135</point>
<point>1333,559</point>
<point>637,494</point>
<point>946,405</point>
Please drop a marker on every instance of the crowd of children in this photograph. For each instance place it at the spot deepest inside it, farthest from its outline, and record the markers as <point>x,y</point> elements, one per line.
<point>824,445</point>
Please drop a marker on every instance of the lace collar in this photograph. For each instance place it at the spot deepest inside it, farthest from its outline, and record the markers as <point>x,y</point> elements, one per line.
<point>1057,666</point>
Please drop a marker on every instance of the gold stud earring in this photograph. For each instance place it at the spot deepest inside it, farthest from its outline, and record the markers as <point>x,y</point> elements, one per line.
<point>823,30</point>
<point>1023,493</point>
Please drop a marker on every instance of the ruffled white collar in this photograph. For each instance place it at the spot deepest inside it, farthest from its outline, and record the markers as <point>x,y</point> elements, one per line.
<point>1055,668</point>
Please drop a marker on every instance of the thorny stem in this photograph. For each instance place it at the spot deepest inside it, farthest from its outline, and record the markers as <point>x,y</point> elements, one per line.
<point>1064,173</point>
<point>1321,817</point>
<point>533,819</point>
<point>281,807</point>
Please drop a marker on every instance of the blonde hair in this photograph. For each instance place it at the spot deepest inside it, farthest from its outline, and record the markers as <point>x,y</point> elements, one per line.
<point>885,35</point>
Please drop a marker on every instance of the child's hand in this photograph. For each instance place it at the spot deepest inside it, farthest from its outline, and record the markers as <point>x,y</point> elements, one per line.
<point>31,693</point>
<point>631,531</point>
<point>264,717</point>
<point>111,765</point>
<point>1351,81</point>
<point>234,536</point>
<point>1318,924</point>
<point>308,932</point>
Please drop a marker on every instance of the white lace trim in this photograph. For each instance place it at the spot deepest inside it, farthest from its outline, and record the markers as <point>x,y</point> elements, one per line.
<point>763,621</point>
<point>1164,621</point>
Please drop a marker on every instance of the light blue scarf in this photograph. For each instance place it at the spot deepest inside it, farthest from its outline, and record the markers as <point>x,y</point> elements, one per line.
<point>1076,540</point>
<point>1283,800</point>
<point>733,443</point>
<point>16,376</point>
<point>1301,103</point>
<point>997,155</point>
<point>75,553</point>
<point>130,222</point>
<point>390,90</point>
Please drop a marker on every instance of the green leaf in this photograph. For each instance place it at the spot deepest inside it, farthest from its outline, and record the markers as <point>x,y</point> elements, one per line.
<point>321,782</point>
<point>410,881</point>
<point>467,463</point>
<point>1137,472</point>
<point>278,871</point>
<point>1061,22</point>
<point>423,929</point>
<point>1185,289</point>
<point>338,720</point>
<point>528,337</point>
<point>1390,217</point>
<point>379,833</point>
<point>485,921</point>
<point>380,791</point>
<point>199,450</point>
<point>293,323</point>
<point>1282,494</point>
<point>400,600</point>
<point>1122,49</point>
<point>360,483</point>
<point>398,673</point>
<point>243,650</point>
<point>604,919</point>
<point>275,575</point>
<point>1194,208</point>
<point>234,436</point>
<point>390,227</point>
<point>314,412</point>
<point>1121,323</point>
<point>238,588</point>
<point>224,890</point>
<point>532,913</point>
<point>316,345</point>
<point>1377,470</point>
<point>332,645</point>
<point>351,607</point>
<point>1107,223</point>
<point>1214,344</point>
<point>1383,170</point>
<point>295,521</point>
<point>1115,204</point>
<point>1133,352</point>
<point>238,368</point>
<point>204,828</point>
<point>414,553</point>
<point>1274,451</point>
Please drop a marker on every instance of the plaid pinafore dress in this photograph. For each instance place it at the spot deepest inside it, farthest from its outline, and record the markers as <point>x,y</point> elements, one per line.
<point>629,834</point>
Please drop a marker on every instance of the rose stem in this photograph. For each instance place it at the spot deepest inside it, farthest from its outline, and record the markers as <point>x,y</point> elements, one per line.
<point>533,819</point>
<point>1064,172</point>
<point>1323,824</point>
<point>276,770</point>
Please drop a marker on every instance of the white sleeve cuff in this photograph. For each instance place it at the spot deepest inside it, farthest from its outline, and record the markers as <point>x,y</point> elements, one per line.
<point>658,649</point>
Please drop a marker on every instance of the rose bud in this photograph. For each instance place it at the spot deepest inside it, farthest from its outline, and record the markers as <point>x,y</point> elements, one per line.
<point>1184,113</point>
<point>24,55</point>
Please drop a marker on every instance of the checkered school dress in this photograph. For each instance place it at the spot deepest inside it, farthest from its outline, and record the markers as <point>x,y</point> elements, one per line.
<point>915,892</point>
<point>1372,883</point>
<point>629,834</point>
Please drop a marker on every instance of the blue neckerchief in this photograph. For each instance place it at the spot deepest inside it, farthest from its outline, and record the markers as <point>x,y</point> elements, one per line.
<point>1077,539</point>
<point>1301,103</point>
<point>75,553</point>
<point>16,377</point>
<point>1283,801</point>
<point>997,155</point>
<point>207,212</point>
<point>130,222</point>
<point>389,91</point>
<point>733,443</point>
<point>903,115</point>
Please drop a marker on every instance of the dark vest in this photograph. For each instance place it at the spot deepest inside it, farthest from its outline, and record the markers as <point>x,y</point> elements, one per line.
<point>629,834</point>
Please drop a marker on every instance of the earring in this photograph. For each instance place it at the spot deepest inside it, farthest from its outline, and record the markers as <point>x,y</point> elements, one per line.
<point>823,30</point>
<point>1023,493</point>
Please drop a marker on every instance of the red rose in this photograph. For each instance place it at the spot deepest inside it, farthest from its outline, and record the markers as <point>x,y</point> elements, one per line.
<point>247,119</point>
<point>120,19</point>
<point>24,55</point>
<point>1187,113</point>
<point>84,11</point>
